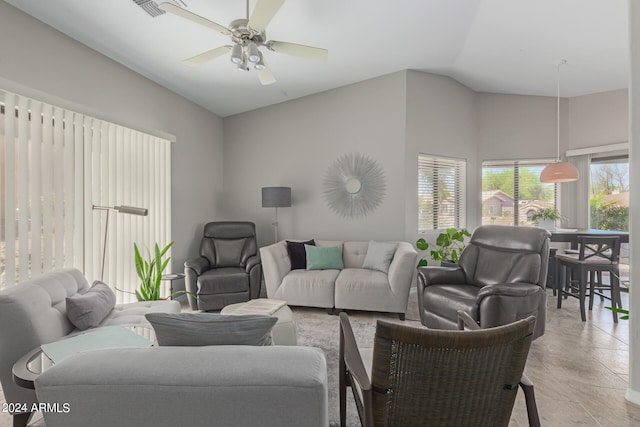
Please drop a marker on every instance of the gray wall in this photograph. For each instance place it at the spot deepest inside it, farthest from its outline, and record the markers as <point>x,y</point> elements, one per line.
<point>441,121</point>
<point>393,118</point>
<point>43,59</point>
<point>292,144</point>
<point>598,119</point>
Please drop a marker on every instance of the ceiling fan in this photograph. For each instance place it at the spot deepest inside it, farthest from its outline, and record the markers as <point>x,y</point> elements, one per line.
<point>247,35</point>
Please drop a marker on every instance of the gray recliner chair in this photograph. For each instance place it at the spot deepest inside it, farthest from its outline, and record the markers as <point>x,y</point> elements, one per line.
<point>501,278</point>
<point>228,269</point>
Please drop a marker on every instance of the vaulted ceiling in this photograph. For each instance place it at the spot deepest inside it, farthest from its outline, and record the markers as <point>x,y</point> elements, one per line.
<point>502,46</point>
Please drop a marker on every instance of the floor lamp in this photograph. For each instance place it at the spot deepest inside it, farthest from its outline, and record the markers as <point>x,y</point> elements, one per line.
<point>276,197</point>
<point>131,210</point>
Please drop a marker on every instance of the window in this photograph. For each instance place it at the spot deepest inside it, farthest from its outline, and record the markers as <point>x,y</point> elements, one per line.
<point>55,164</point>
<point>441,193</point>
<point>609,198</point>
<point>512,192</point>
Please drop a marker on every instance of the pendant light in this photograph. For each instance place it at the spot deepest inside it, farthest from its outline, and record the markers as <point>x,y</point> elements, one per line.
<point>559,171</point>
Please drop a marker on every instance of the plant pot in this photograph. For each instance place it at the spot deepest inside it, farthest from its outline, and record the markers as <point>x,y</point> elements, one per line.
<point>547,224</point>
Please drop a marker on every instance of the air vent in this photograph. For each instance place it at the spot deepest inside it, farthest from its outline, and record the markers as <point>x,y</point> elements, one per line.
<point>150,7</point>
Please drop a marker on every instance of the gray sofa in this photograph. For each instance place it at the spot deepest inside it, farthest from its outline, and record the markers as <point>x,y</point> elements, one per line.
<point>353,288</point>
<point>222,386</point>
<point>34,312</point>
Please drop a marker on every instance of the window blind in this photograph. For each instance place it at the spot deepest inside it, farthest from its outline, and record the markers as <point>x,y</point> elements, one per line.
<point>56,165</point>
<point>441,193</point>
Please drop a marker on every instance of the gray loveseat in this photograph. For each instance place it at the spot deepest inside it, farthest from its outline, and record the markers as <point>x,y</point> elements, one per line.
<point>352,288</point>
<point>34,312</point>
<point>222,386</point>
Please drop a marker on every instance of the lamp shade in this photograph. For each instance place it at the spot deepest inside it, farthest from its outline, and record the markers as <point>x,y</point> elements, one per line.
<point>276,197</point>
<point>132,210</point>
<point>559,172</point>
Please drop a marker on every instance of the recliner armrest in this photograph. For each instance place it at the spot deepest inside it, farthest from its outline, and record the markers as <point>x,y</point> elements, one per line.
<point>441,275</point>
<point>198,265</point>
<point>509,289</point>
<point>252,262</point>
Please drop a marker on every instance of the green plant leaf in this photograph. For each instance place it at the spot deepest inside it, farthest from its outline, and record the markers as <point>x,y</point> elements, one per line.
<point>423,262</point>
<point>422,244</point>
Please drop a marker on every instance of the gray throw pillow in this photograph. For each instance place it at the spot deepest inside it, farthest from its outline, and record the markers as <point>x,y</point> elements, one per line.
<point>198,329</point>
<point>88,310</point>
<point>379,256</point>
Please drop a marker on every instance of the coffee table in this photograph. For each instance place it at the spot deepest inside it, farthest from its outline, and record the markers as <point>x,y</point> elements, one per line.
<point>29,367</point>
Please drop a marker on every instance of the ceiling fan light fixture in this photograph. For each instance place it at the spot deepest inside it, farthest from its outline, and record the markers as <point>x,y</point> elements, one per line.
<point>260,64</point>
<point>242,66</point>
<point>253,54</point>
<point>237,55</point>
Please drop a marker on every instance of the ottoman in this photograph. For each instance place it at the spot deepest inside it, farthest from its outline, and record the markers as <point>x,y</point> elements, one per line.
<point>283,332</point>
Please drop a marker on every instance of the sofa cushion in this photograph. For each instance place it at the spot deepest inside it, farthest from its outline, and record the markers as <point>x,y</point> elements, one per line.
<point>298,254</point>
<point>88,310</point>
<point>198,329</point>
<point>223,281</point>
<point>379,256</point>
<point>324,258</point>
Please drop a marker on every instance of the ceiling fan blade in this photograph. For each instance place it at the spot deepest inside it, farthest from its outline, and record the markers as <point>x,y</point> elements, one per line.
<point>263,13</point>
<point>266,76</point>
<point>206,56</point>
<point>298,50</point>
<point>171,8</point>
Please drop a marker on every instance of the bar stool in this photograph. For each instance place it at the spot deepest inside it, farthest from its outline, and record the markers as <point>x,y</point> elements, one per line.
<point>595,256</point>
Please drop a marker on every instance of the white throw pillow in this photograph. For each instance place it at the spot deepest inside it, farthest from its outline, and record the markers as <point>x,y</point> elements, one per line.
<point>379,256</point>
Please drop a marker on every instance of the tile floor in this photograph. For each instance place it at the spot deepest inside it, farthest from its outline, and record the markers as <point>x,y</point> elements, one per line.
<point>580,371</point>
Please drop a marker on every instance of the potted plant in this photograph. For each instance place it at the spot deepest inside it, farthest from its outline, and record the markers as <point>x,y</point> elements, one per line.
<point>449,245</point>
<point>546,218</point>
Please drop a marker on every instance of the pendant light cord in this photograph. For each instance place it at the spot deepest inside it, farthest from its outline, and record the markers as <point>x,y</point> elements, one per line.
<point>560,63</point>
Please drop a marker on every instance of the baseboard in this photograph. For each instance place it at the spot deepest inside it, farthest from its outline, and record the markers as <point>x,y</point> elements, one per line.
<point>633,396</point>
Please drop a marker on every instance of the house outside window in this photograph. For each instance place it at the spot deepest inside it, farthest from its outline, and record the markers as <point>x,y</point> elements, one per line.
<point>441,193</point>
<point>512,192</point>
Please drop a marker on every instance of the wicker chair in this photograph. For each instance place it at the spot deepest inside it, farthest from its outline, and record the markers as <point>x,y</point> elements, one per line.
<point>426,377</point>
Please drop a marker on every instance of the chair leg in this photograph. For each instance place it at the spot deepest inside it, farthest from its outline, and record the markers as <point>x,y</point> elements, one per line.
<point>21,420</point>
<point>559,286</point>
<point>342,383</point>
<point>616,299</point>
<point>592,287</point>
<point>582,292</point>
<point>530,400</point>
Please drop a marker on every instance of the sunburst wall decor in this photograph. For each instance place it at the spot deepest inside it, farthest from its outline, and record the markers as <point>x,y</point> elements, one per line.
<point>354,185</point>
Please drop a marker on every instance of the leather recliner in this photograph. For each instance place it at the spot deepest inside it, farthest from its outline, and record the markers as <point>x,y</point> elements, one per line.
<point>501,278</point>
<point>228,269</point>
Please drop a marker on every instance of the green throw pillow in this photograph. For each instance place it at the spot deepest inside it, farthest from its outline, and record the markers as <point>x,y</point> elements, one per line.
<point>324,257</point>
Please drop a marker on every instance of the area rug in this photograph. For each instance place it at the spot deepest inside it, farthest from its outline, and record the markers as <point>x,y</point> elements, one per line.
<point>316,328</point>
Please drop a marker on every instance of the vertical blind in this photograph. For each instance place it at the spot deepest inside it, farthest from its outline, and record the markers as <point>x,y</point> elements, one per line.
<point>56,165</point>
<point>441,193</point>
